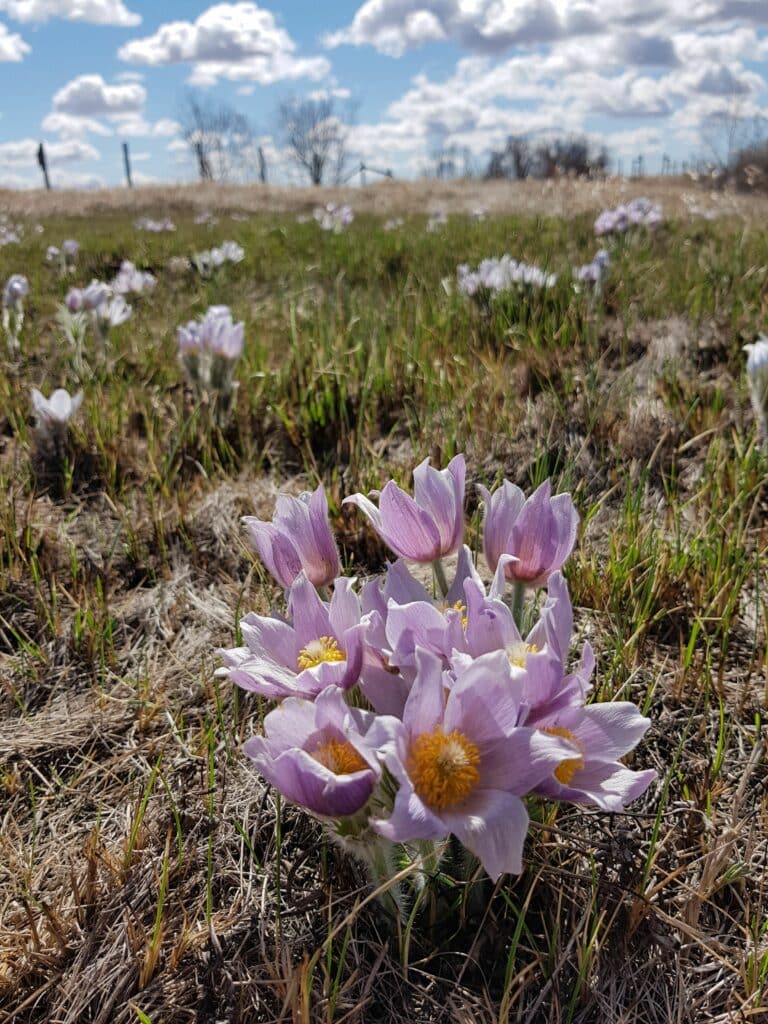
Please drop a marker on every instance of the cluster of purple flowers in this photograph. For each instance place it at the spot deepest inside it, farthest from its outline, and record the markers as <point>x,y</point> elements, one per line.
<point>333,218</point>
<point>211,259</point>
<point>106,308</point>
<point>407,713</point>
<point>129,280</point>
<point>155,226</point>
<point>209,348</point>
<point>64,257</point>
<point>639,212</point>
<point>495,276</point>
<point>594,273</point>
<point>10,233</point>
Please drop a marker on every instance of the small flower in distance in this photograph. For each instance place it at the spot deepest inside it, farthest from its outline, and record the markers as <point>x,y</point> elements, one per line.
<point>15,291</point>
<point>757,375</point>
<point>54,413</point>
<point>70,247</point>
<point>427,526</point>
<point>74,300</point>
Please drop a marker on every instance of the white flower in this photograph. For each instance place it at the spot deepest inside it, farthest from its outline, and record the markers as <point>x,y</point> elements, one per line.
<point>57,410</point>
<point>757,374</point>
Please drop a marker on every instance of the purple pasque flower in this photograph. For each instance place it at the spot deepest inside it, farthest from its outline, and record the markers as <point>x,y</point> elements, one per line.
<point>322,646</point>
<point>404,615</point>
<point>321,754</point>
<point>598,736</point>
<point>539,660</point>
<point>539,532</point>
<point>427,526</point>
<point>463,762</point>
<point>298,538</point>
<point>15,291</point>
<point>95,295</point>
<point>74,300</point>
<point>70,247</point>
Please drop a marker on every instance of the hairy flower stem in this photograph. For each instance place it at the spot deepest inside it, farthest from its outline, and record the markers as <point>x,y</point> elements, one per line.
<point>440,579</point>
<point>518,603</point>
<point>430,855</point>
<point>381,868</point>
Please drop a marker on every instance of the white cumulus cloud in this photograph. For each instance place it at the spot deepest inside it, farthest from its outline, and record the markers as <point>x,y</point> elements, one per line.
<point>98,12</point>
<point>12,46</point>
<point>239,41</point>
<point>90,96</point>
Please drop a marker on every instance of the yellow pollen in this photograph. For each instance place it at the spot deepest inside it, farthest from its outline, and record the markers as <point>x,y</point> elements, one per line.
<point>518,653</point>
<point>339,758</point>
<point>317,651</point>
<point>457,606</point>
<point>567,769</point>
<point>443,767</point>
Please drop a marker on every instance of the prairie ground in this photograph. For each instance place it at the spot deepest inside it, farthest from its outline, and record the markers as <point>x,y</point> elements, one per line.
<point>146,871</point>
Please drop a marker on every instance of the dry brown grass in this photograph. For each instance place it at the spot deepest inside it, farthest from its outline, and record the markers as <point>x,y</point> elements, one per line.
<point>562,197</point>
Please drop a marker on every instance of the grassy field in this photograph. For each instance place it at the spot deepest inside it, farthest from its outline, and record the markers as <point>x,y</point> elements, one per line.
<point>147,874</point>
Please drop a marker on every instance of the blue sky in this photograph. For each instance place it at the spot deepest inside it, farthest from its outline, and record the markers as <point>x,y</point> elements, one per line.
<point>638,75</point>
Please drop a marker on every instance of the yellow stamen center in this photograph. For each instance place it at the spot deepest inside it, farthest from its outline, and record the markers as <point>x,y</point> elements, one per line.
<point>567,769</point>
<point>518,653</point>
<point>318,651</point>
<point>443,767</point>
<point>457,606</point>
<point>339,758</point>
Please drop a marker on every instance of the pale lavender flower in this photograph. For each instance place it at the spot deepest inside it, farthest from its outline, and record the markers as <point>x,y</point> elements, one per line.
<point>130,280</point>
<point>592,773</point>
<point>463,762</point>
<point>74,300</point>
<point>496,276</point>
<point>321,754</point>
<point>334,218</point>
<point>321,647</point>
<point>113,312</point>
<point>70,247</point>
<point>298,538</point>
<point>95,294</point>
<point>427,526</point>
<point>15,291</point>
<point>155,226</point>
<point>539,532</point>
<point>52,254</point>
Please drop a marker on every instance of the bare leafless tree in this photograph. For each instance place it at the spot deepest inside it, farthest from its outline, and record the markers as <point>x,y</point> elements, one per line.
<point>220,138</point>
<point>316,135</point>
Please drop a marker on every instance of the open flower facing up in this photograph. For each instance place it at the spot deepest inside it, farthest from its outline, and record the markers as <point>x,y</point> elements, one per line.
<point>322,646</point>
<point>592,773</point>
<point>757,375</point>
<point>539,532</point>
<point>321,755</point>
<point>298,538</point>
<point>464,762</point>
<point>427,526</point>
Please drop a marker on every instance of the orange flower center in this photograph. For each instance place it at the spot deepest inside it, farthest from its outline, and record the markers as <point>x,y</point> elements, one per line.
<point>326,648</point>
<point>443,768</point>
<point>566,769</point>
<point>339,758</point>
<point>518,653</point>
